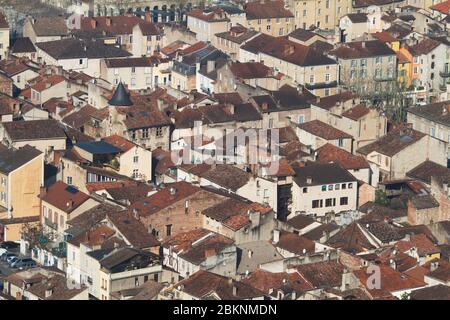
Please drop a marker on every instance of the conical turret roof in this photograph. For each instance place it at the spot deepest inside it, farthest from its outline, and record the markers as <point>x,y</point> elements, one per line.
<point>120,97</point>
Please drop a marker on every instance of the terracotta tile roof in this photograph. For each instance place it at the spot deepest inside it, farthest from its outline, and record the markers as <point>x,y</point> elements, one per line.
<point>287,50</point>
<point>237,34</point>
<point>351,239</point>
<point>443,7</point>
<point>362,49</point>
<point>250,70</point>
<point>420,241</point>
<point>323,130</point>
<point>227,176</point>
<point>204,285</point>
<point>234,213</point>
<point>333,100</point>
<point>424,47</point>
<point>393,142</point>
<point>130,193</point>
<point>356,112</point>
<point>93,237</point>
<point>384,36</point>
<point>295,243</point>
<point>441,271</point>
<point>48,82</point>
<point>64,197</point>
<point>317,233</point>
<point>326,274</point>
<point>80,118</point>
<point>119,142</point>
<point>300,221</point>
<point>115,25</point>
<point>331,153</point>
<point>12,67</point>
<point>391,281</point>
<point>197,245</point>
<point>132,229</point>
<point>437,292</point>
<point>214,15</point>
<point>177,191</point>
<point>266,9</point>
<point>145,113</point>
<point>357,17</point>
<point>265,281</point>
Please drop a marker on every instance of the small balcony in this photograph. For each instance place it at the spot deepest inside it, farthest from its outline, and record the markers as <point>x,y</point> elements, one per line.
<point>321,85</point>
<point>51,224</point>
<point>445,74</point>
<point>384,78</point>
<point>443,87</point>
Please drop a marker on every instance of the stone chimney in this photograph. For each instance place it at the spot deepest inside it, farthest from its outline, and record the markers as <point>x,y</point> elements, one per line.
<point>210,66</point>
<point>93,23</point>
<point>48,291</point>
<point>276,236</point>
<point>434,265</point>
<point>108,21</point>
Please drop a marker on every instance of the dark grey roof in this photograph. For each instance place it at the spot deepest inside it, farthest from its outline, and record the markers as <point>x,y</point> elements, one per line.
<point>120,97</point>
<point>72,48</point>
<point>34,130</point>
<point>98,147</point>
<point>321,174</point>
<point>11,159</point>
<point>23,45</point>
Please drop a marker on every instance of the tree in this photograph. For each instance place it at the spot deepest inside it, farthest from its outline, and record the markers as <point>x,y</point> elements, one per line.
<point>36,236</point>
<point>381,198</point>
<point>387,94</point>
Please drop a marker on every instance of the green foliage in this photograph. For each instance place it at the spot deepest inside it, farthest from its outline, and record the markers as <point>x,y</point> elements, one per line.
<point>381,198</point>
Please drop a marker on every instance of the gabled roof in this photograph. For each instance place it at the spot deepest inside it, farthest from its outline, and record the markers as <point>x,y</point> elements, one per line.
<point>327,173</point>
<point>22,45</point>
<point>11,159</point>
<point>323,130</point>
<point>64,197</point>
<point>331,153</point>
<point>3,23</point>
<point>287,50</point>
<point>362,49</point>
<point>206,285</point>
<point>391,281</point>
<point>132,229</point>
<point>50,26</point>
<point>266,9</point>
<point>393,142</point>
<point>197,245</point>
<point>34,130</point>
<point>326,274</point>
<point>73,48</point>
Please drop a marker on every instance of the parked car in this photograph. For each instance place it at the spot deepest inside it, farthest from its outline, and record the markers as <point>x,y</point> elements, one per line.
<point>22,263</point>
<point>9,245</point>
<point>7,255</point>
<point>3,251</point>
<point>11,259</point>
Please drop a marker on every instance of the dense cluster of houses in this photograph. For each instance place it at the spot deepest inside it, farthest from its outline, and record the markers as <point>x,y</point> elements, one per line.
<point>272,149</point>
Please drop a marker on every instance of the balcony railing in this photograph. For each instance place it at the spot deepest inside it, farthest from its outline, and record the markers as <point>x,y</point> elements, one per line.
<point>383,78</point>
<point>445,74</point>
<point>321,85</point>
<point>51,224</point>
